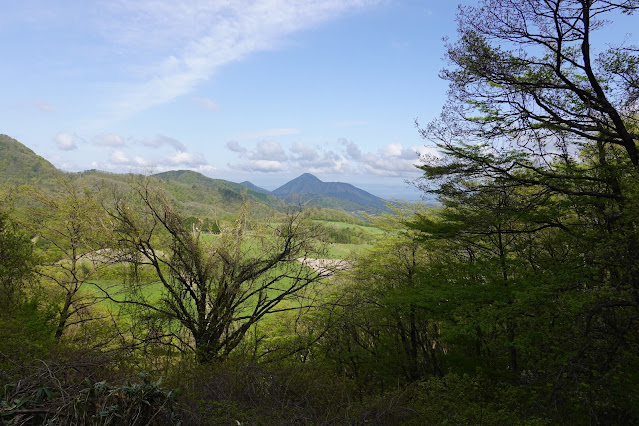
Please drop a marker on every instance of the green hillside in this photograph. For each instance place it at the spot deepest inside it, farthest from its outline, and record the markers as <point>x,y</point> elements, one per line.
<point>199,195</point>
<point>254,187</point>
<point>194,194</point>
<point>19,165</point>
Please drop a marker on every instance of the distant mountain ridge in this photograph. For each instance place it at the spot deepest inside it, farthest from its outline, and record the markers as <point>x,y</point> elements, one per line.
<point>308,189</point>
<point>255,188</point>
<point>196,194</point>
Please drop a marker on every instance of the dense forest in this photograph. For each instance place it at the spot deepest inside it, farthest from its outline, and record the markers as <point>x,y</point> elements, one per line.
<point>512,300</point>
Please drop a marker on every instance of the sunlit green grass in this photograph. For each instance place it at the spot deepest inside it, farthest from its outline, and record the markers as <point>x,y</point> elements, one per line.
<point>343,251</point>
<point>371,230</point>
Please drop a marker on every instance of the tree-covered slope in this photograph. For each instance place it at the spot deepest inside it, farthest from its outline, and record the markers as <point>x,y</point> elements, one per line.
<point>200,194</point>
<point>20,165</point>
<point>254,187</point>
<point>195,194</point>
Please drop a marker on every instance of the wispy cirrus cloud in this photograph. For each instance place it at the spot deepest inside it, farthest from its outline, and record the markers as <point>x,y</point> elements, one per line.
<point>201,36</point>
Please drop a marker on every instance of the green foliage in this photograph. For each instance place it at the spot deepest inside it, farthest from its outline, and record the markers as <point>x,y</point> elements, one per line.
<point>26,333</point>
<point>334,215</point>
<point>69,224</point>
<point>140,403</point>
<point>214,199</point>
<point>474,399</point>
<point>17,264</point>
<point>19,165</point>
<point>206,225</point>
<point>379,332</point>
<point>533,254</point>
<point>514,301</point>
<point>346,233</point>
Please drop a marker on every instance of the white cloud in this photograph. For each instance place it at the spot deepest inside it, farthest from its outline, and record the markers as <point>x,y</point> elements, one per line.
<point>329,163</point>
<point>133,159</point>
<point>182,158</point>
<point>352,150</point>
<point>235,146</point>
<point>202,36</point>
<point>393,150</point>
<point>119,157</point>
<point>269,150</point>
<point>161,140</point>
<point>314,159</point>
<point>344,157</point>
<point>108,139</point>
<point>395,160</point>
<point>303,152</point>
<point>119,160</point>
<point>392,159</point>
<point>66,141</point>
<point>265,166</point>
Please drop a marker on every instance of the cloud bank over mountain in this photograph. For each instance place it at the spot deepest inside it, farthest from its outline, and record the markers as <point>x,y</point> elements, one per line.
<point>341,157</point>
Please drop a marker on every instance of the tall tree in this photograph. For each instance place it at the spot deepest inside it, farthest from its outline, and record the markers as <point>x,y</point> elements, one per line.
<point>533,104</point>
<point>539,109</point>
<point>528,85</point>
<point>212,292</point>
<point>68,223</point>
<point>381,325</point>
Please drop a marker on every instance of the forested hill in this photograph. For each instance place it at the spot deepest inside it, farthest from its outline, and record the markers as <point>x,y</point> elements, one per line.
<point>197,190</point>
<point>194,193</point>
<point>308,189</point>
<point>254,187</point>
<point>20,165</point>
<point>197,194</point>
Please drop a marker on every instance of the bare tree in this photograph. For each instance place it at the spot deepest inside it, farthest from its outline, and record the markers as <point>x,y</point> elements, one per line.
<point>212,292</point>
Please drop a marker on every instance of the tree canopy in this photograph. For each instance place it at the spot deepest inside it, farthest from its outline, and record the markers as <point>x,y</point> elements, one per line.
<point>532,92</point>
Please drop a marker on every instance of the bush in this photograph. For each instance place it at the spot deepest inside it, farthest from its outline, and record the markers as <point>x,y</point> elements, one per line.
<point>47,396</point>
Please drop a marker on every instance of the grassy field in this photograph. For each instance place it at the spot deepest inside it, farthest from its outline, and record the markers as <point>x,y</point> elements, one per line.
<point>343,251</point>
<point>368,229</point>
<point>114,279</point>
<point>340,239</point>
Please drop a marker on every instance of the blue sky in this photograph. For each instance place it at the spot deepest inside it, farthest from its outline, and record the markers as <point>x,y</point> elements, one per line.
<point>259,90</point>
